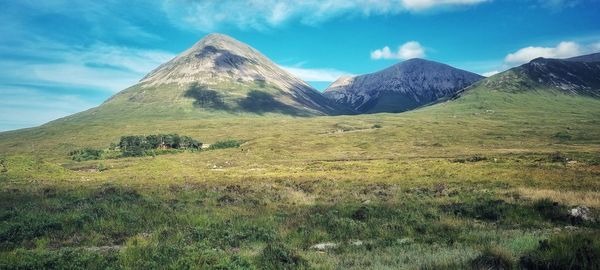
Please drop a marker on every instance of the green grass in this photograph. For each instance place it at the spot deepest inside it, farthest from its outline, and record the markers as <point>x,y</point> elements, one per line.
<point>464,181</point>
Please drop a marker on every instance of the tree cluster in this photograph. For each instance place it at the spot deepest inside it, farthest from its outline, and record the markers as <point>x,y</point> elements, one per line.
<point>133,146</point>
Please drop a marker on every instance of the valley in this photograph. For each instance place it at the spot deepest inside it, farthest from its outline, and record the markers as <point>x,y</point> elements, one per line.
<point>504,172</point>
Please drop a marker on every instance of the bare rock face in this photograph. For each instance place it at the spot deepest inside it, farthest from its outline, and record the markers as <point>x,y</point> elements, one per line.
<point>220,58</point>
<point>404,86</point>
<point>579,75</point>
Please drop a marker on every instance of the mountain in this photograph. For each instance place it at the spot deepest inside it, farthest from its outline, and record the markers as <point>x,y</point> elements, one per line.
<point>401,87</point>
<point>217,75</point>
<point>594,57</point>
<point>576,76</point>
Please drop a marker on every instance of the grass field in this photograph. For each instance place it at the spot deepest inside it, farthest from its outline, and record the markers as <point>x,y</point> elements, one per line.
<point>486,179</point>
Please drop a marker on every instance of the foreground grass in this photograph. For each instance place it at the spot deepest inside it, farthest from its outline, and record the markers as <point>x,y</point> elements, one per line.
<point>440,188</point>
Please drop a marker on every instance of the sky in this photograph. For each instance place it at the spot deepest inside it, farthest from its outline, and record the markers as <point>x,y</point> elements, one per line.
<point>61,57</point>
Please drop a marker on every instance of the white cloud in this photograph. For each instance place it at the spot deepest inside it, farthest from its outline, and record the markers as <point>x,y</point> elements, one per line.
<point>562,50</point>
<point>212,15</point>
<point>408,50</point>
<point>316,75</point>
<point>427,4</point>
<point>490,73</point>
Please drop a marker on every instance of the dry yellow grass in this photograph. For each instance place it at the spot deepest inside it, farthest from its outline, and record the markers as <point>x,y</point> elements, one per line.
<point>588,198</point>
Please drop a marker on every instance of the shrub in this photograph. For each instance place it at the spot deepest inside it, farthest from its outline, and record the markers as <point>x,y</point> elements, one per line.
<point>551,210</point>
<point>493,258</point>
<point>225,144</point>
<point>557,157</point>
<point>86,154</point>
<point>276,256</point>
<point>565,251</point>
<point>362,213</point>
<point>101,167</point>
<point>476,158</point>
<point>3,167</point>
<point>562,136</point>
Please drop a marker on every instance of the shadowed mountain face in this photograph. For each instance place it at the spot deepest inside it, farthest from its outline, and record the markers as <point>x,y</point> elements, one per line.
<point>221,74</point>
<point>404,86</point>
<point>578,76</point>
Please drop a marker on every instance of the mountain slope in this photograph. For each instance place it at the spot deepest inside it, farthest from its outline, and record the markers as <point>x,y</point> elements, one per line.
<point>218,75</point>
<point>401,87</point>
<point>575,76</point>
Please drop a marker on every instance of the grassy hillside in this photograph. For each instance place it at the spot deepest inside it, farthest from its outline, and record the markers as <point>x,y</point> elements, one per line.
<point>488,175</point>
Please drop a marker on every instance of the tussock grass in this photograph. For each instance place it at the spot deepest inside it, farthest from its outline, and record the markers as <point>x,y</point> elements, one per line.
<point>568,197</point>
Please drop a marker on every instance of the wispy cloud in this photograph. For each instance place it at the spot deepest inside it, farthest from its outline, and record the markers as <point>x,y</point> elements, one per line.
<point>557,5</point>
<point>213,15</point>
<point>99,66</point>
<point>408,50</point>
<point>45,80</point>
<point>26,106</point>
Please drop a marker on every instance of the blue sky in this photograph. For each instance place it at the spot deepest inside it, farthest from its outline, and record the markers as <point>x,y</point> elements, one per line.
<point>61,57</point>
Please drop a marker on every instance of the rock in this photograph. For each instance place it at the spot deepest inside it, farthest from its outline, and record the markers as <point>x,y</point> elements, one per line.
<point>582,212</point>
<point>324,246</point>
<point>356,243</point>
<point>405,241</point>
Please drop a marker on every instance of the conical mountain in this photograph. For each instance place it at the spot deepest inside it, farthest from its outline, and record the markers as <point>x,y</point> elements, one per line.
<point>401,87</point>
<point>217,75</point>
<point>575,76</point>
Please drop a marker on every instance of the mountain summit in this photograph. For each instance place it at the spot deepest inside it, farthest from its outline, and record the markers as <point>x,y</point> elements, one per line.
<point>401,87</point>
<point>221,73</point>
<point>219,58</point>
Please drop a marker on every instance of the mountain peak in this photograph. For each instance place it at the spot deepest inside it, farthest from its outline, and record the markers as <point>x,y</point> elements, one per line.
<point>403,86</point>
<point>221,42</point>
<point>235,76</point>
<point>212,59</point>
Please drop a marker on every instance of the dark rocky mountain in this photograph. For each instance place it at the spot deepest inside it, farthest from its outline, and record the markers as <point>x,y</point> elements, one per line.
<point>578,75</point>
<point>401,87</point>
<point>594,57</point>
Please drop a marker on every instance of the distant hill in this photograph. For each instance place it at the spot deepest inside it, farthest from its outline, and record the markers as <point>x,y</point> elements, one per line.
<point>577,76</point>
<point>401,87</point>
